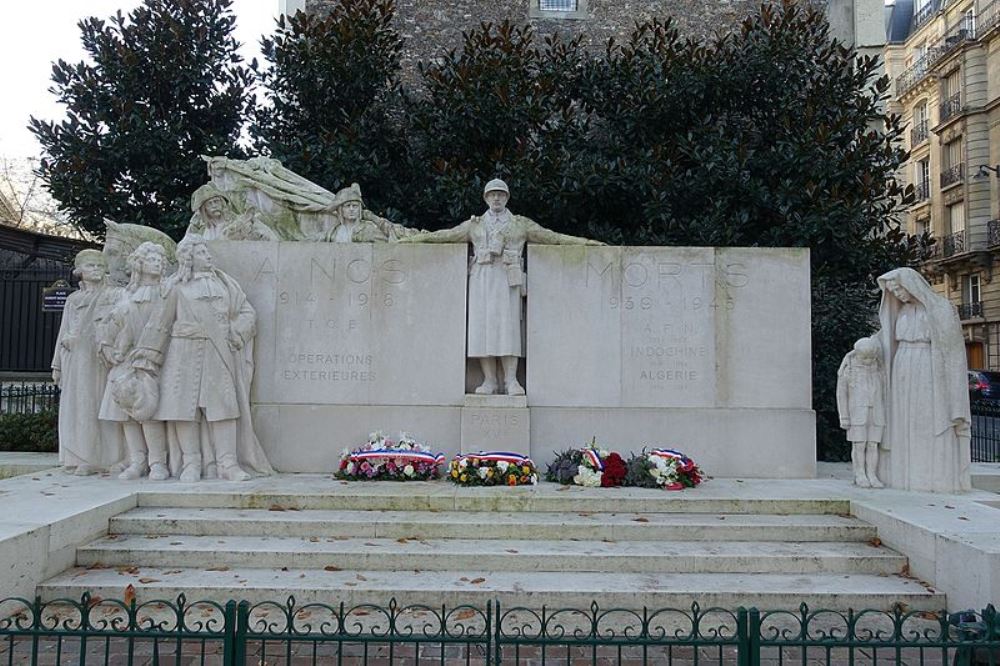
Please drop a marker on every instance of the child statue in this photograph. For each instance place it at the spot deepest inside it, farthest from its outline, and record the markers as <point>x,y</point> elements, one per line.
<point>861,404</point>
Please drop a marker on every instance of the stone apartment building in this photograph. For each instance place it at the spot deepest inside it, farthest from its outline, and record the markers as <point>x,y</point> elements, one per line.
<point>431,26</point>
<point>944,58</point>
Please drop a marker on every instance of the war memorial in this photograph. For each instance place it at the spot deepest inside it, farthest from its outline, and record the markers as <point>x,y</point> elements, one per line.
<point>211,390</point>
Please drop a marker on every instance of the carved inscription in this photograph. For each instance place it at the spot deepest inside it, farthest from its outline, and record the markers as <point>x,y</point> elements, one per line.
<point>329,316</point>
<point>667,310</point>
<point>493,425</point>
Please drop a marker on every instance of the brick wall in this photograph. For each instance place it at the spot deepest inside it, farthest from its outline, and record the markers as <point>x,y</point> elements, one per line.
<point>429,26</point>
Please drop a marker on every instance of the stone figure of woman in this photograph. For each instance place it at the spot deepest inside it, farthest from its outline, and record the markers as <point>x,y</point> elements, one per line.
<point>497,282</point>
<point>80,368</point>
<point>927,432</point>
<point>145,438</point>
<point>201,343</point>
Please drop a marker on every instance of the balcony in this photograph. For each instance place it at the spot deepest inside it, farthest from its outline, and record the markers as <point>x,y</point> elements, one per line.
<point>953,244</point>
<point>951,106</point>
<point>988,17</point>
<point>993,233</point>
<point>913,74</point>
<point>922,191</point>
<point>920,133</point>
<point>963,32</point>
<point>952,175</point>
<point>970,310</point>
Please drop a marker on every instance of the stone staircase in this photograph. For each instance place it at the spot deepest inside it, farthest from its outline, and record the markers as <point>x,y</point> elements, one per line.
<point>432,543</point>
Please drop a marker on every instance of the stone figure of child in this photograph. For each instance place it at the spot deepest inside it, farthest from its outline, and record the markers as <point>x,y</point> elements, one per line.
<point>861,404</point>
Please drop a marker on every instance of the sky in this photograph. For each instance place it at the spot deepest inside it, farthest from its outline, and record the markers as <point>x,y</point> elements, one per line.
<point>35,33</point>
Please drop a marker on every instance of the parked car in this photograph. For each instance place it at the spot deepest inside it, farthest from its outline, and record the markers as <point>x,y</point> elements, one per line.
<point>984,385</point>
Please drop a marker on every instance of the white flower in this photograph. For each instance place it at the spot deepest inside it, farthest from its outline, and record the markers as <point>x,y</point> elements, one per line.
<point>483,471</point>
<point>350,468</point>
<point>587,477</point>
<point>408,470</point>
<point>463,463</point>
<point>604,454</point>
<point>503,465</point>
<point>534,479</point>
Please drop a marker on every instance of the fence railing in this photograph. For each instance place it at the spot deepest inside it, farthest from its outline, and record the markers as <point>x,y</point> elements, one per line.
<point>985,432</point>
<point>28,397</point>
<point>95,630</point>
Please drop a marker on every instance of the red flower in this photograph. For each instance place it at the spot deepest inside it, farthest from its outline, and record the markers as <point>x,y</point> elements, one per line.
<point>614,471</point>
<point>674,486</point>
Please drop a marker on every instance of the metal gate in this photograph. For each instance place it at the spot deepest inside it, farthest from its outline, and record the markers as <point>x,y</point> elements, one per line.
<point>27,335</point>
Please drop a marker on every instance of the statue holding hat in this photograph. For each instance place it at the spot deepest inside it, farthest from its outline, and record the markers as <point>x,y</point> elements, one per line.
<point>80,368</point>
<point>497,282</point>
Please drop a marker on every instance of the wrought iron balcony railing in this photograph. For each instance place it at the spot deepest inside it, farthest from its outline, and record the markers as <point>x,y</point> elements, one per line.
<point>987,17</point>
<point>993,233</point>
<point>970,310</point>
<point>920,133</point>
<point>913,74</point>
<point>952,175</point>
<point>951,106</point>
<point>953,244</point>
<point>922,191</point>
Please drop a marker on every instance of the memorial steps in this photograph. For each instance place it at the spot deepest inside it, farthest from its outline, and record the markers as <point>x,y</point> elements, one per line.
<point>435,544</point>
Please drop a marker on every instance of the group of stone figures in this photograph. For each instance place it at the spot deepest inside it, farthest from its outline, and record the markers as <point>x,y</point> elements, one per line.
<point>155,351</point>
<point>902,393</point>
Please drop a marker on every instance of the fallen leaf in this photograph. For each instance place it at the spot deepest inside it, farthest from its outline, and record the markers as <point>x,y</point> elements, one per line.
<point>962,518</point>
<point>562,488</point>
<point>351,584</point>
<point>403,540</point>
<point>948,506</point>
<point>129,596</point>
<point>360,577</point>
<point>330,567</point>
<point>276,507</point>
<point>477,581</point>
<point>284,568</point>
<point>511,550</point>
<point>223,568</point>
<point>94,600</point>
<point>146,581</point>
<point>466,614</point>
<point>875,541</point>
<point>640,519</point>
<point>314,539</point>
<point>463,578</point>
<point>173,571</point>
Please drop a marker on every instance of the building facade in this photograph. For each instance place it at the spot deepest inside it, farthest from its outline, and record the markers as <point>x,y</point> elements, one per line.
<point>944,57</point>
<point>430,27</point>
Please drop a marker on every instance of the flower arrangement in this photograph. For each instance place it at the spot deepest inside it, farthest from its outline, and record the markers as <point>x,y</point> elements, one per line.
<point>590,466</point>
<point>382,459</point>
<point>663,468</point>
<point>492,468</point>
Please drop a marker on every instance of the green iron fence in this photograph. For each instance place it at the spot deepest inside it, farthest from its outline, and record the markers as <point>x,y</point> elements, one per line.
<point>101,631</point>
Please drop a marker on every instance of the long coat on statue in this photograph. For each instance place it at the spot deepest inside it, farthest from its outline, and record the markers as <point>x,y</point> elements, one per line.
<point>496,276</point>
<point>200,369</point>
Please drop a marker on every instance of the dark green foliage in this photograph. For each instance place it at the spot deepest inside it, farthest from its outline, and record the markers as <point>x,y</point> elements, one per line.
<point>499,107</point>
<point>36,431</point>
<point>564,467</point>
<point>161,87</point>
<point>638,472</point>
<point>331,92</point>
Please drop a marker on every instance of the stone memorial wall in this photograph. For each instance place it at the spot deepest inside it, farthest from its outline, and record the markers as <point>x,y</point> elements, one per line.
<point>704,349</point>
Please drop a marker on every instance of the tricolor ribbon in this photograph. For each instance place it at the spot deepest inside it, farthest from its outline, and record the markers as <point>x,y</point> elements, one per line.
<point>416,456</point>
<point>683,461</point>
<point>498,456</point>
<point>593,456</point>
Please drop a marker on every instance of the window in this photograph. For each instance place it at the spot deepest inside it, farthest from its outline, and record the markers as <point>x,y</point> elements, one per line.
<point>969,23</point>
<point>952,163</point>
<point>922,179</point>
<point>921,124</point>
<point>970,288</point>
<point>560,9</point>
<point>956,217</point>
<point>557,5</point>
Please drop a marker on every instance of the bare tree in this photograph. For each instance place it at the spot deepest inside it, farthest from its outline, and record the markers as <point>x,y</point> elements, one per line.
<point>26,204</point>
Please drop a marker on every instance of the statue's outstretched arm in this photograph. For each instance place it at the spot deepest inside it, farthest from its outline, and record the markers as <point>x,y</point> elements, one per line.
<point>536,233</point>
<point>459,234</point>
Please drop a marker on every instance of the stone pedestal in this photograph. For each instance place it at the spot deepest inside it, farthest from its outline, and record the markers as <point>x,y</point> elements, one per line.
<point>495,423</point>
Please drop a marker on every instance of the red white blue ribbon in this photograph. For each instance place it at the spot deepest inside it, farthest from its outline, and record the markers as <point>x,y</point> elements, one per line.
<point>593,456</point>
<point>671,454</point>
<point>395,454</point>
<point>498,456</point>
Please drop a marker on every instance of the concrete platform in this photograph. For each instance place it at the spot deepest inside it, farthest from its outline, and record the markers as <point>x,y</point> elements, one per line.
<point>16,463</point>
<point>52,517</point>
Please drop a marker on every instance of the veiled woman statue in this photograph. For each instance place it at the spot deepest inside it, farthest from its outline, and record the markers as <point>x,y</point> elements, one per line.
<point>927,438</point>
